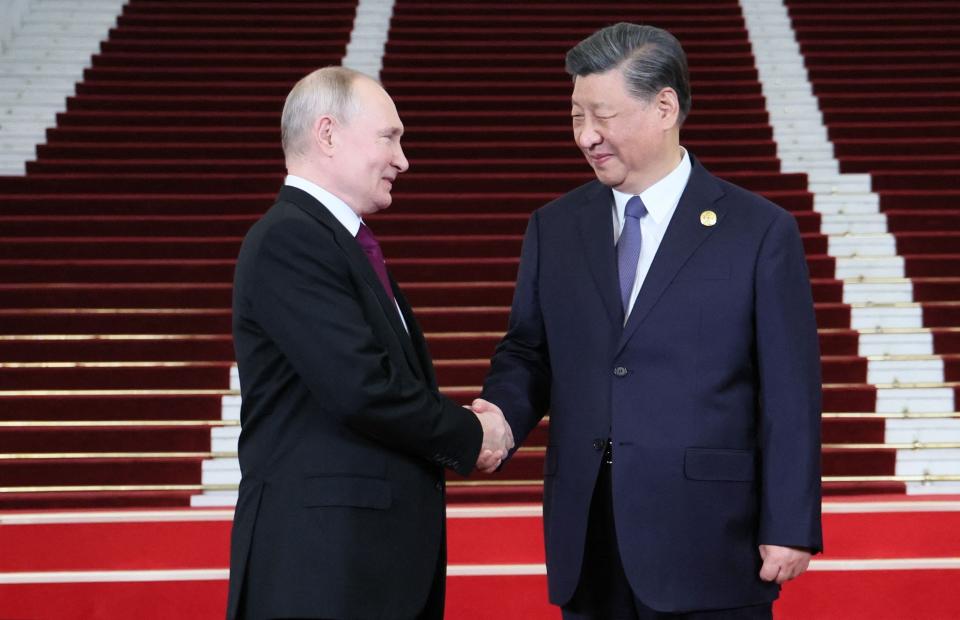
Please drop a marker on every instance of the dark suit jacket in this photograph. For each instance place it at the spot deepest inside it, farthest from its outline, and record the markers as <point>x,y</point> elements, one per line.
<point>344,434</point>
<point>710,393</point>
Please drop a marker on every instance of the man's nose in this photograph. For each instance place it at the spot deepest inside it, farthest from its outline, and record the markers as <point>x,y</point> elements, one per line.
<point>587,136</point>
<point>400,160</point>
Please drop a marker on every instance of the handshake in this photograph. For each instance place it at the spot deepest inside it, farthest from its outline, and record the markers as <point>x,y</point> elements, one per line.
<point>497,435</point>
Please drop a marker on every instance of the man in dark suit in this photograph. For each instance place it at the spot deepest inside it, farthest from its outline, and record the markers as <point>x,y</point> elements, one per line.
<point>344,434</point>
<point>664,317</point>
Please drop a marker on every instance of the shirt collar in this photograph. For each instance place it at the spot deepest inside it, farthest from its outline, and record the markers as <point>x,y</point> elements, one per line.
<point>661,197</point>
<point>340,210</point>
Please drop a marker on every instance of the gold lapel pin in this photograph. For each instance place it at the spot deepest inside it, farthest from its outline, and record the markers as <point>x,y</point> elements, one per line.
<point>708,218</point>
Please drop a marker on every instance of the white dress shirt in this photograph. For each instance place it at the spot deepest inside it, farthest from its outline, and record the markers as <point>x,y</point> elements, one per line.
<point>661,200</point>
<point>339,209</point>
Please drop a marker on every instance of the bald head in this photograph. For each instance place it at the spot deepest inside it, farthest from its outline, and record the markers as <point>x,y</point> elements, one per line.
<point>340,130</point>
<point>327,91</point>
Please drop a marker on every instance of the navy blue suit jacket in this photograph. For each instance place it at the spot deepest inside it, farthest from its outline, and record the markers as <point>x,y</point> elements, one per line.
<point>710,392</point>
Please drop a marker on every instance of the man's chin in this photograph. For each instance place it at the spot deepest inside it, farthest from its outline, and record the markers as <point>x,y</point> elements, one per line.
<point>608,179</point>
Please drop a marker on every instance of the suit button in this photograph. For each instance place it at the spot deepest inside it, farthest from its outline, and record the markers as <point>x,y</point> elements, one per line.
<point>439,485</point>
<point>620,371</point>
<point>599,444</point>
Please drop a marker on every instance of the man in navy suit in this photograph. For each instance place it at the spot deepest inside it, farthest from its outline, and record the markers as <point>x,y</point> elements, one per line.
<point>664,318</point>
<point>345,435</point>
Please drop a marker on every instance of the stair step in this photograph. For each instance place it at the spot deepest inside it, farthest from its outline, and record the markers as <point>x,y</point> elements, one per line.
<point>184,539</point>
<point>419,293</point>
<point>114,375</point>
<point>132,347</point>
<point>56,472</point>
<point>220,166</point>
<point>237,225</point>
<point>138,404</point>
<point>43,282</point>
<point>98,439</point>
<point>116,320</point>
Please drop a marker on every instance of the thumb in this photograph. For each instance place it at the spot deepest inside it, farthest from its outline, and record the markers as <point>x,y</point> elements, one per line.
<point>769,571</point>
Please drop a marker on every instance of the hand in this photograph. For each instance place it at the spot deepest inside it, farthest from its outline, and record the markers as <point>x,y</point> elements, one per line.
<point>497,435</point>
<point>781,564</point>
<point>488,460</point>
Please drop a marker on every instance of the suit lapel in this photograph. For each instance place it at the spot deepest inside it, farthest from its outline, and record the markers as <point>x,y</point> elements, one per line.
<point>425,368</point>
<point>684,235</point>
<point>359,261</point>
<point>596,233</point>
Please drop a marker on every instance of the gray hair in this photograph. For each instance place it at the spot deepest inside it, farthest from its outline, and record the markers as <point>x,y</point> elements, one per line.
<point>651,59</point>
<point>326,91</point>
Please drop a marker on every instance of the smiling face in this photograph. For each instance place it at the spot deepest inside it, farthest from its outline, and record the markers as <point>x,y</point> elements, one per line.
<point>629,143</point>
<point>366,152</point>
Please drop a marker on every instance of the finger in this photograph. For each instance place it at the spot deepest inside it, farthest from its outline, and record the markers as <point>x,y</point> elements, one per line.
<point>490,456</point>
<point>489,466</point>
<point>485,459</point>
<point>769,571</point>
<point>799,569</point>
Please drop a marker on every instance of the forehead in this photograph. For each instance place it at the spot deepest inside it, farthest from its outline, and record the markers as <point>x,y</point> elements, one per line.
<point>375,104</point>
<point>600,89</point>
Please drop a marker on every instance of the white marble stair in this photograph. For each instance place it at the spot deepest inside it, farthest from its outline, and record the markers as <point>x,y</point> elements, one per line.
<point>368,39</point>
<point>40,64</point>
<point>902,364</point>
<point>222,439</point>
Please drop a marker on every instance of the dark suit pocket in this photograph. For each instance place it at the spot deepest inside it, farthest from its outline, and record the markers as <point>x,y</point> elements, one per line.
<point>719,464</point>
<point>347,491</point>
<point>550,462</point>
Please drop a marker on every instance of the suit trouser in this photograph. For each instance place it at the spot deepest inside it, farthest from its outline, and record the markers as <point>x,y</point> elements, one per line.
<point>604,592</point>
<point>432,609</point>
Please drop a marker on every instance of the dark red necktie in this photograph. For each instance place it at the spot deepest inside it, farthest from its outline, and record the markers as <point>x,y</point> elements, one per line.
<point>372,249</point>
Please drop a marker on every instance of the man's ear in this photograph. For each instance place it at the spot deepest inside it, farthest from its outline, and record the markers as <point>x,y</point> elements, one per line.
<point>668,107</point>
<point>322,134</point>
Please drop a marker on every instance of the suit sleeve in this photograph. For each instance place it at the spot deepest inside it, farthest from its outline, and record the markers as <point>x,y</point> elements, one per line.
<point>305,300</point>
<point>519,377</point>
<point>790,391</point>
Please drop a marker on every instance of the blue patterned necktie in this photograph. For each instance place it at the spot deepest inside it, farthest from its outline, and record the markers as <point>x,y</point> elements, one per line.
<point>628,248</point>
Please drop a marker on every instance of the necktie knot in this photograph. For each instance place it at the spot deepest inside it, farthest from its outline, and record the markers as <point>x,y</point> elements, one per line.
<point>367,241</point>
<point>635,208</point>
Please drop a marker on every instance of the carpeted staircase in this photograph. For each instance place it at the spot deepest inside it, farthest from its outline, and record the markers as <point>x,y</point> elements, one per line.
<point>118,245</point>
<point>117,386</point>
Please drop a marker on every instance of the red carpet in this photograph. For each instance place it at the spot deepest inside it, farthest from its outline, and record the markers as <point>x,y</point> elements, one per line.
<point>488,556</point>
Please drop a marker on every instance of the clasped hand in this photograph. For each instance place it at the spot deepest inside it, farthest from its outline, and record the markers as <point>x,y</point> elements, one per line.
<point>497,435</point>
